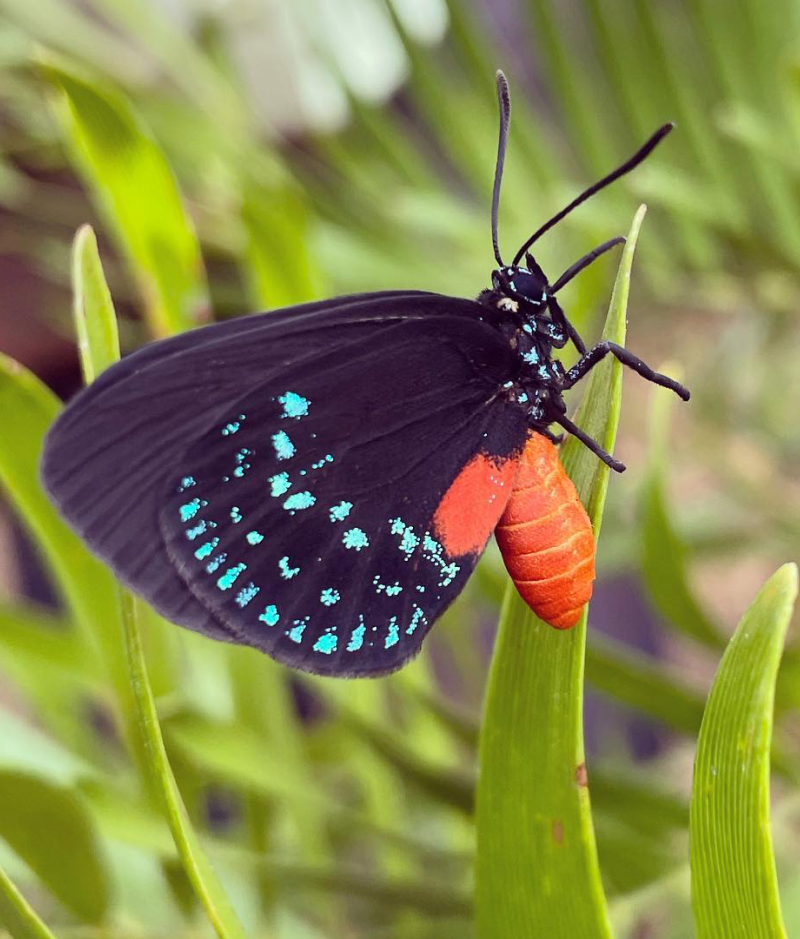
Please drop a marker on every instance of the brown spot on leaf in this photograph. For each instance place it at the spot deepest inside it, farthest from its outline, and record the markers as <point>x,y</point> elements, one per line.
<point>558,831</point>
<point>581,776</point>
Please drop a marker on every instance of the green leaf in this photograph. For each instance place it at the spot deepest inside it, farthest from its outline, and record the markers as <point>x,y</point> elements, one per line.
<point>198,867</point>
<point>95,308</point>
<point>138,197</point>
<point>734,886</point>
<point>17,914</point>
<point>537,869</point>
<point>44,823</point>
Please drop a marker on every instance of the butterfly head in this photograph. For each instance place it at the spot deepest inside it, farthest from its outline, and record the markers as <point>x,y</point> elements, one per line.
<point>520,286</point>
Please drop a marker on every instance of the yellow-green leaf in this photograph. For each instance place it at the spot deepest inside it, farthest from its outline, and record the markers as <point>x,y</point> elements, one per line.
<point>734,887</point>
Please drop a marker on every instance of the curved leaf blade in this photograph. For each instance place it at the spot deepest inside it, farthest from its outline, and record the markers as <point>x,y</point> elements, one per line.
<point>734,886</point>
<point>94,312</point>
<point>138,196</point>
<point>537,868</point>
<point>40,820</point>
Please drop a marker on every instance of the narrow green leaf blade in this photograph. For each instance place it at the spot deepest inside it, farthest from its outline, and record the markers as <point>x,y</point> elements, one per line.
<point>734,886</point>
<point>198,867</point>
<point>93,309</point>
<point>139,198</point>
<point>537,869</point>
<point>93,319</point>
<point>17,915</point>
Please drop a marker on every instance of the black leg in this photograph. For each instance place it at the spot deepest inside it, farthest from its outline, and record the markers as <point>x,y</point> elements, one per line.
<point>595,355</point>
<point>553,438</point>
<point>560,316</point>
<point>592,445</point>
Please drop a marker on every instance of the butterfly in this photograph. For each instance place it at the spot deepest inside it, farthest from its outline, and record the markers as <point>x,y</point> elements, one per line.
<point>319,481</point>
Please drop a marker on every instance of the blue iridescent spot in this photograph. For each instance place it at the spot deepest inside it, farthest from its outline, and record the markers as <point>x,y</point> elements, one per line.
<point>232,427</point>
<point>326,643</point>
<point>216,562</point>
<point>300,500</point>
<point>294,405</point>
<point>329,596</point>
<point>189,510</point>
<point>186,483</point>
<point>284,448</point>
<point>355,539</point>
<point>192,533</point>
<point>357,636</point>
<point>522,397</point>
<point>229,577</point>
<point>416,619</point>
<point>270,616</point>
<point>279,484</point>
<point>254,537</point>
<point>528,328</point>
<point>296,633</point>
<point>246,594</point>
<point>339,513</point>
<point>544,372</point>
<point>393,636</point>
<point>287,572</point>
<point>236,514</point>
<point>205,549</point>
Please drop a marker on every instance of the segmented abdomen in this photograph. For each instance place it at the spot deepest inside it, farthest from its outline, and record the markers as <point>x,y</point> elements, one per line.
<point>546,537</point>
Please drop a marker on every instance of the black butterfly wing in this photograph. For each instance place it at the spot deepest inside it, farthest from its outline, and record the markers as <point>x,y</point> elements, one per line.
<point>106,457</point>
<point>277,482</point>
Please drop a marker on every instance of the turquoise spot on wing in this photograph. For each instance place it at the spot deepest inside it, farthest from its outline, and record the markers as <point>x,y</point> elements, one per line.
<point>284,448</point>
<point>300,500</point>
<point>297,630</point>
<point>199,529</point>
<point>357,637</point>
<point>216,563</point>
<point>205,549</point>
<point>254,537</point>
<point>246,594</point>
<point>270,616</point>
<point>339,513</point>
<point>236,514</point>
<point>186,483</point>
<point>417,618</point>
<point>355,539</point>
<point>326,643</point>
<point>287,572</point>
<point>279,484</point>
<point>294,405</point>
<point>329,596</point>
<point>229,577</point>
<point>190,509</point>
<point>393,636</point>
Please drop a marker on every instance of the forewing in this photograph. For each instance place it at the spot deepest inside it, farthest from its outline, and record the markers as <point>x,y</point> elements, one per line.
<point>112,456</point>
<point>332,514</point>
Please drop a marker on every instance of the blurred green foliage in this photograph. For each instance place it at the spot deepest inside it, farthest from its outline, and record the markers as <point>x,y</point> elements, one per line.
<point>239,156</point>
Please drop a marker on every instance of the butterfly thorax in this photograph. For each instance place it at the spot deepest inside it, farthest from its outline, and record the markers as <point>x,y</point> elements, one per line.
<point>519,301</point>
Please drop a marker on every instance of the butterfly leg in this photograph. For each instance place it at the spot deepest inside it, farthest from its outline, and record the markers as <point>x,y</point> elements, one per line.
<point>553,438</point>
<point>587,441</point>
<point>560,317</point>
<point>602,349</point>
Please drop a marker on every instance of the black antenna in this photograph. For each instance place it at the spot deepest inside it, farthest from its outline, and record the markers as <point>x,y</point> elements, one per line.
<point>504,101</point>
<point>626,167</point>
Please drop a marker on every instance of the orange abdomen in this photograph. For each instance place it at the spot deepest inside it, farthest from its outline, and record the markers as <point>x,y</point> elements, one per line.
<point>546,537</point>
